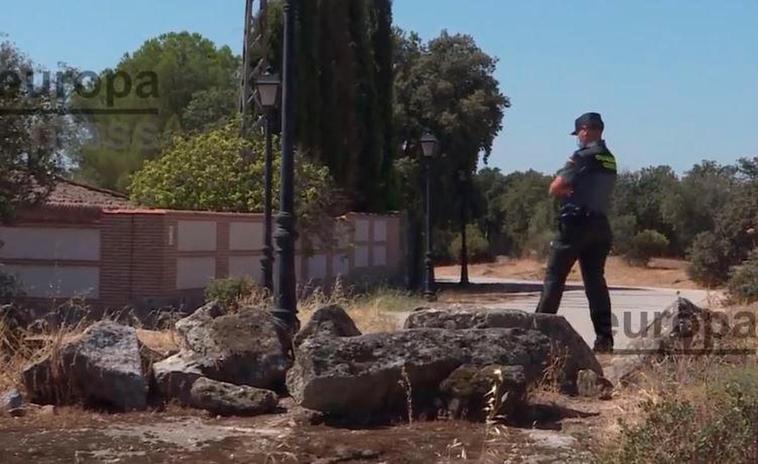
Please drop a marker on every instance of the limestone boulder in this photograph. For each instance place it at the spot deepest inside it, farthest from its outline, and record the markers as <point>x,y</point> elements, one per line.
<point>226,399</point>
<point>242,347</point>
<point>10,401</point>
<point>479,393</point>
<point>330,321</point>
<point>569,351</point>
<point>590,385</point>
<point>194,329</point>
<point>175,376</point>
<point>100,367</point>
<point>374,373</point>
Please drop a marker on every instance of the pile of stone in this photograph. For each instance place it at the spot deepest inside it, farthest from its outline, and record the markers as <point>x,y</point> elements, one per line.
<point>462,363</point>
<point>230,364</point>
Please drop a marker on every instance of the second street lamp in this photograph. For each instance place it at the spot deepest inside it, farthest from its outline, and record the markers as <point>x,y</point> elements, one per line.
<point>463,179</point>
<point>285,295</point>
<point>267,86</point>
<point>428,146</point>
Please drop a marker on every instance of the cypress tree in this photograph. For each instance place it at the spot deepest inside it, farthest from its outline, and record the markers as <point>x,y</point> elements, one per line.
<point>344,92</point>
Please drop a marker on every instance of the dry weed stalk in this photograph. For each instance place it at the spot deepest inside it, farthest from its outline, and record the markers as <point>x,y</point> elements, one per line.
<point>405,382</point>
<point>21,347</point>
<point>550,382</point>
<point>493,404</point>
<point>454,450</point>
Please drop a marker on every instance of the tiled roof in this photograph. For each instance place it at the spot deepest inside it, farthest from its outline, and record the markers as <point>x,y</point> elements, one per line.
<point>69,193</point>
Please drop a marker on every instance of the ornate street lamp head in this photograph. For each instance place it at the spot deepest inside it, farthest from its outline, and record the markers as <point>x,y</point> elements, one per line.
<point>428,144</point>
<point>267,86</point>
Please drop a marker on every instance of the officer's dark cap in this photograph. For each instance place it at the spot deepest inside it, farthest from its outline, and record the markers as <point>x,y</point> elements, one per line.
<point>592,120</point>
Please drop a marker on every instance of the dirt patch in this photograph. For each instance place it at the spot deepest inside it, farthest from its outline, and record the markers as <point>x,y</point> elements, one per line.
<point>668,273</point>
<point>180,436</point>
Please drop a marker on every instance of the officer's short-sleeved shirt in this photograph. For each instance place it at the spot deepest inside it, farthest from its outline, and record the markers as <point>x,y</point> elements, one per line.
<point>591,171</point>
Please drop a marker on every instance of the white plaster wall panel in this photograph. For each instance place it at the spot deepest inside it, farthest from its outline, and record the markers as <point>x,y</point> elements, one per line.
<point>361,256</point>
<point>50,243</point>
<point>196,235</point>
<point>246,236</point>
<point>246,266</point>
<point>57,281</point>
<point>361,230</point>
<point>380,255</point>
<point>317,267</point>
<point>340,264</point>
<point>342,230</point>
<point>194,272</point>
<point>380,230</point>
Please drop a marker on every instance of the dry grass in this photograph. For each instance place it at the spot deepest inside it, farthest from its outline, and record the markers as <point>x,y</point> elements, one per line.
<point>550,382</point>
<point>372,312</point>
<point>20,347</point>
<point>161,341</point>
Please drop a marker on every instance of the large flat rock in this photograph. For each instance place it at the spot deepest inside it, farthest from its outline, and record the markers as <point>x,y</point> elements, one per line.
<point>231,400</point>
<point>376,373</point>
<point>569,351</point>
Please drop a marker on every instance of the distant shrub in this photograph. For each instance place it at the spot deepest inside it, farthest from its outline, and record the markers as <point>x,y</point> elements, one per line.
<point>228,291</point>
<point>539,244</point>
<point>743,280</point>
<point>477,246</point>
<point>710,259</point>
<point>624,228</point>
<point>541,231</point>
<point>646,245</point>
<point>441,252</point>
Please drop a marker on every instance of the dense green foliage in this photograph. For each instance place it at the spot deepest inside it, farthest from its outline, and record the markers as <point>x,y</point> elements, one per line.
<point>709,214</point>
<point>228,292</point>
<point>194,84</point>
<point>208,172</point>
<point>30,142</point>
<point>344,92</point>
<point>743,281</point>
<point>515,213</point>
<point>646,245</point>
<point>732,235</point>
<point>476,245</point>
<point>448,87</point>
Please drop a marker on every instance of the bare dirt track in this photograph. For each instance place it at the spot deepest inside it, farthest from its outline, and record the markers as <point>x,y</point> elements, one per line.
<point>667,273</point>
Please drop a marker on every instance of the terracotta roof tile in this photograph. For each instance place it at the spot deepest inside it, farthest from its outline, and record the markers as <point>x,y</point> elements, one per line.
<point>69,193</point>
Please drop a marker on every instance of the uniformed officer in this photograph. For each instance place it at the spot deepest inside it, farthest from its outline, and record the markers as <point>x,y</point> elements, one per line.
<point>584,186</point>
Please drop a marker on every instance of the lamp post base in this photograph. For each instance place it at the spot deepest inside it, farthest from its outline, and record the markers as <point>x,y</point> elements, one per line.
<point>430,292</point>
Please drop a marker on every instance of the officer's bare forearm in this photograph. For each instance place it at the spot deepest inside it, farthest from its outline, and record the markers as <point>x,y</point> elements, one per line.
<point>560,188</point>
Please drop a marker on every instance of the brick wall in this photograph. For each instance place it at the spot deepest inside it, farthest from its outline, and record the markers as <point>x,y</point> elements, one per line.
<point>150,258</point>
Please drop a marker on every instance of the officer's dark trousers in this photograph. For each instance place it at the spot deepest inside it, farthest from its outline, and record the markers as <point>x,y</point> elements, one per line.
<point>589,241</point>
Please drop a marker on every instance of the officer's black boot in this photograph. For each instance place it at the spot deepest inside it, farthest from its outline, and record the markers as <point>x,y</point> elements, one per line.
<point>603,345</point>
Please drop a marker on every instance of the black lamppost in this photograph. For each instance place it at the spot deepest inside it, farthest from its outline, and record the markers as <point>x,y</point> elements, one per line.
<point>463,179</point>
<point>268,94</point>
<point>428,146</point>
<point>285,297</point>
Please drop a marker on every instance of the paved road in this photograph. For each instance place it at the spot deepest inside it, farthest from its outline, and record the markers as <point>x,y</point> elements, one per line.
<point>633,307</point>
